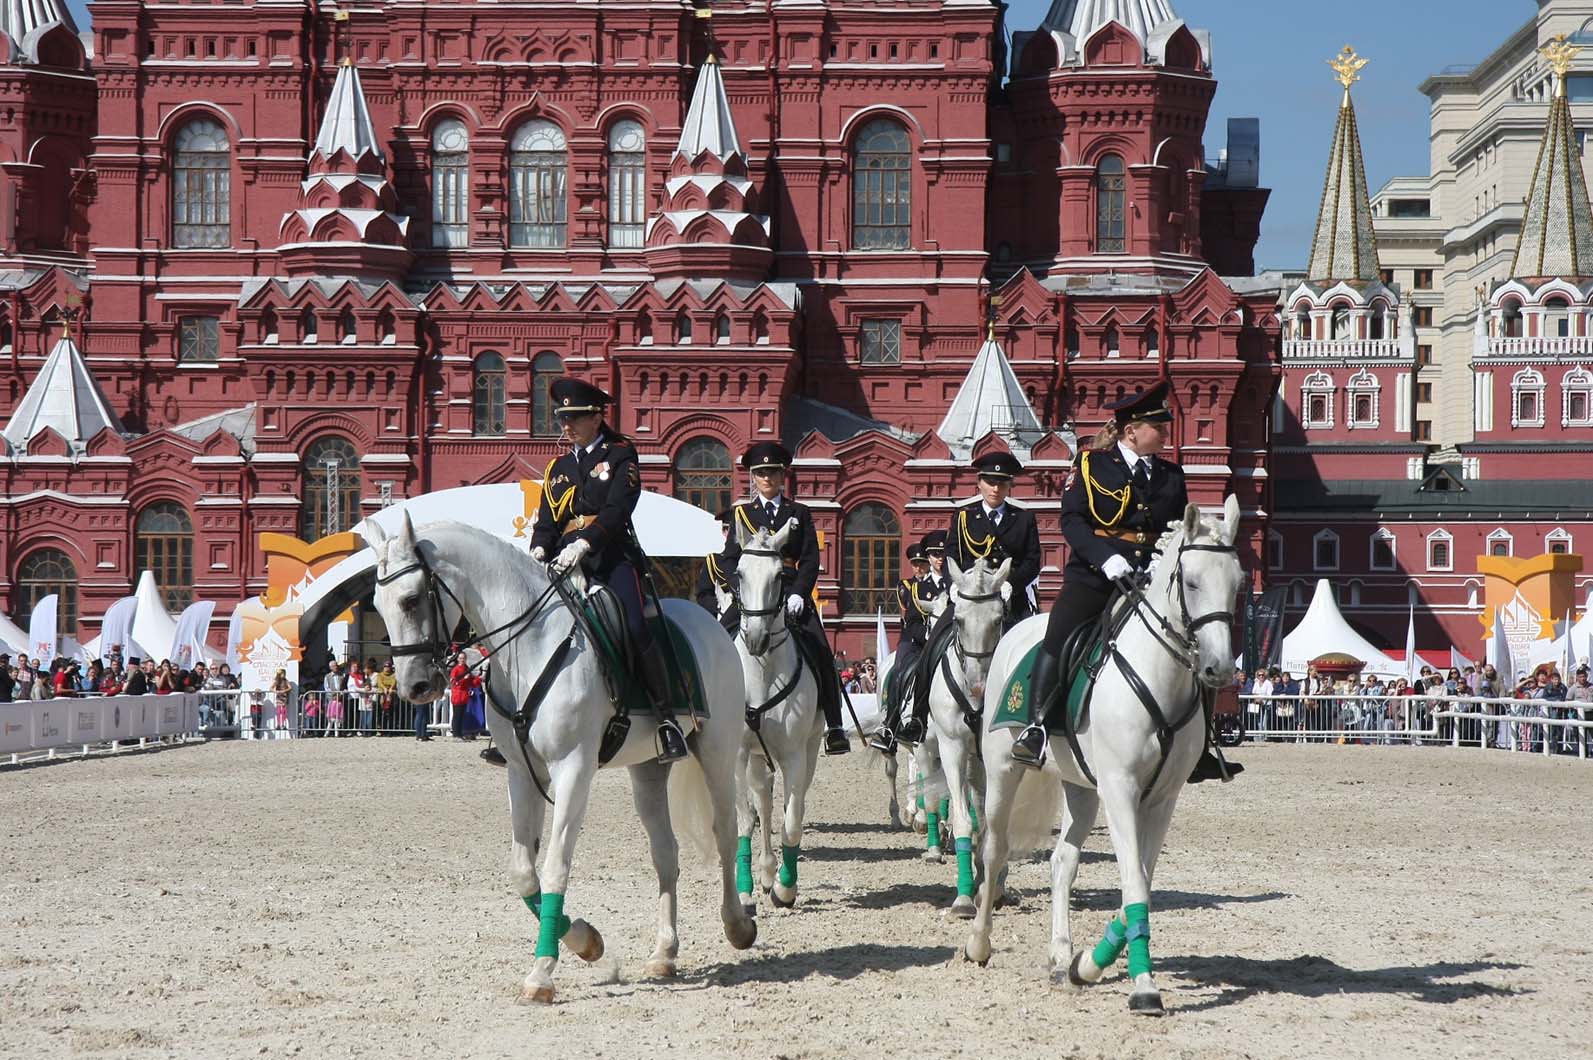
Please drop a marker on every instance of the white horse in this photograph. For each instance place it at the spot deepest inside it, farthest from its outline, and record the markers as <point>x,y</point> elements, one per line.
<point>424,586</point>
<point>958,679</point>
<point>1140,750</point>
<point>782,693</point>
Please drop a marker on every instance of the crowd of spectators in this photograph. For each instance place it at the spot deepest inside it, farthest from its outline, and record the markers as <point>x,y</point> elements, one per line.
<point>1278,707</point>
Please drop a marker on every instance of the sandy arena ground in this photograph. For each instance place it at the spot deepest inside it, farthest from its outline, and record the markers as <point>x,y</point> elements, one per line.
<point>347,899</point>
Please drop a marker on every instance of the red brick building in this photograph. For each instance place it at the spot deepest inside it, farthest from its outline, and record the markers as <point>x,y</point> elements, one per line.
<point>313,259</point>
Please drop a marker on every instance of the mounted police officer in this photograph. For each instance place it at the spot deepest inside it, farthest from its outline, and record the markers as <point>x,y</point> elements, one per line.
<point>588,495</point>
<point>915,595</point>
<point>991,528</point>
<point>770,509</point>
<point>1117,505</point>
<point>934,544</point>
<point>712,580</point>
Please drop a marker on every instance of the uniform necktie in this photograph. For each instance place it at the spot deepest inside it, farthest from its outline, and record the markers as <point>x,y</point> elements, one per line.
<point>770,509</point>
<point>1141,476</point>
<point>995,516</point>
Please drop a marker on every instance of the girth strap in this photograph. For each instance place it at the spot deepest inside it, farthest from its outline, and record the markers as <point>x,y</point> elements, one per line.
<point>523,718</point>
<point>1164,732</point>
<point>971,717</point>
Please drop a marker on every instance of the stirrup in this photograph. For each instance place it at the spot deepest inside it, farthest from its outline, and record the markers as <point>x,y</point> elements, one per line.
<point>1024,753</point>
<point>671,741</point>
<point>912,732</point>
<point>883,741</point>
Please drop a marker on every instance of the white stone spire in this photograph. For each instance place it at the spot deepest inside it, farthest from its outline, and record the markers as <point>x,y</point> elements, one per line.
<point>1081,18</point>
<point>346,125</point>
<point>20,19</point>
<point>1345,245</point>
<point>708,125</point>
<point>1557,227</point>
<point>64,396</point>
<point>990,399</point>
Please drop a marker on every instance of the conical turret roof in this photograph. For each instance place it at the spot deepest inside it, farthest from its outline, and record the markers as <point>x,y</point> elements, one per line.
<point>709,125</point>
<point>1345,247</point>
<point>65,397</point>
<point>1081,18</point>
<point>346,125</point>
<point>1556,228</point>
<point>990,399</point>
<point>20,20</point>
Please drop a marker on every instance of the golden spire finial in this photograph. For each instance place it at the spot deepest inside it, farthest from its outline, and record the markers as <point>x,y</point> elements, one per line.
<point>1559,52</point>
<point>1347,66</point>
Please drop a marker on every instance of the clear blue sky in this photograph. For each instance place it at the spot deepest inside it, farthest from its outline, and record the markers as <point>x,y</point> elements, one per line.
<point>1270,60</point>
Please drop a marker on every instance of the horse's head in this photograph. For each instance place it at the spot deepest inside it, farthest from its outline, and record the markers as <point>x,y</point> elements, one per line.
<point>1205,581</point>
<point>979,613</point>
<point>760,591</point>
<point>410,605</point>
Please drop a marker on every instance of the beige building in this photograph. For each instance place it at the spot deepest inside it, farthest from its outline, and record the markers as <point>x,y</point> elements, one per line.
<point>1445,239</point>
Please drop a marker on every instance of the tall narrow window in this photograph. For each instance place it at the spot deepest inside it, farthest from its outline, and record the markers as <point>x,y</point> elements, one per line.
<point>880,342</point>
<point>163,544</point>
<point>197,340</point>
<point>1110,185</point>
<point>871,542</point>
<point>882,196</point>
<point>201,187</point>
<point>490,380</point>
<point>627,184</point>
<point>450,184</point>
<point>545,367</point>
<point>47,571</point>
<point>331,496</point>
<point>537,165</point>
<point>704,475</point>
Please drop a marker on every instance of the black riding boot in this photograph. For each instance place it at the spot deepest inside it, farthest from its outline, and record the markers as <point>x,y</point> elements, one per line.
<point>1029,748</point>
<point>835,741</point>
<point>655,675</point>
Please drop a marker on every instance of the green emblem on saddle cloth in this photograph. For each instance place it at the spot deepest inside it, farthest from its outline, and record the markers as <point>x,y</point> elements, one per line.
<point>684,673</point>
<point>1014,712</point>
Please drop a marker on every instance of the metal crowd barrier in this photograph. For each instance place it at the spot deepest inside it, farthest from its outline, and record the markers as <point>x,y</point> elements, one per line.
<point>1535,725</point>
<point>362,712</point>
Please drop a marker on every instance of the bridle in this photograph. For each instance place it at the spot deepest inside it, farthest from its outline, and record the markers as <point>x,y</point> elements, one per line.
<point>962,651</point>
<point>759,612</point>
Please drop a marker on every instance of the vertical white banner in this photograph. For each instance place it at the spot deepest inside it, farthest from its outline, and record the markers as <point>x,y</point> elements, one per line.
<point>188,643</point>
<point>1412,664</point>
<point>41,630</point>
<point>116,631</point>
<point>234,633</point>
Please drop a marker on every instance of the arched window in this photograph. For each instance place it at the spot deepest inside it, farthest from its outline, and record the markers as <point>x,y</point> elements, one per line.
<point>1383,546</point>
<point>1302,325</point>
<point>347,329</point>
<point>491,378</point>
<point>627,184</point>
<point>1501,543</point>
<point>1110,187</point>
<point>1375,324</point>
<point>882,195</point>
<point>1325,551</point>
<point>163,543</point>
<point>1110,343</point>
<point>704,474</point>
<point>268,326</point>
<point>545,367</point>
<point>309,326</point>
<point>201,186</point>
<point>41,573</point>
<point>721,329</point>
<point>1576,398</point>
<point>1510,319</point>
<point>871,544</point>
<point>450,184</point>
<point>1440,551</point>
<point>1361,410</point>
<point>1153,341</point>
<point>1340,327</point>
<point>331,488</point>
<point>1526,405</point>
<point>1316,400</point>
<point>1557,542</point>
<point>1274,550</point>
<point>682,330</point>
<point>1556,319</point>
<point>538,162</point>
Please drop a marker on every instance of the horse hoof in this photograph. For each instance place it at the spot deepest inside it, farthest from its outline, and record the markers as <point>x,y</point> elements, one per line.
<point>781,897</point>
<point>1148,1003</point>
<point>1063,977</point>
<point>741,934</point>
<point>592,948</point>
<point>537,995</point>
<point>920,826</point>
<point>963,908</point>
<point>932,856</point>
<point>977,950</point>
<point>658,969</point>
<point>1076,970</point>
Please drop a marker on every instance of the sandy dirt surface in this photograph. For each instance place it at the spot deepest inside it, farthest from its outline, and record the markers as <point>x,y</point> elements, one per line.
<point>348,899</point>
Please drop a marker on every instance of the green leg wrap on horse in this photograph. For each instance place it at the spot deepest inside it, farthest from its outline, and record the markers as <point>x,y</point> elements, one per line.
<point>965,872</point>
<point>932,832</point>
<point>1110,948</point>
<point>973,816</point>
<point>920,802</point>
<point>945,808</point>
<point>533,902</point>
<point>744,864</point>
<point>1136,925</point>
<point>554,925</point>
<point>788,859</point>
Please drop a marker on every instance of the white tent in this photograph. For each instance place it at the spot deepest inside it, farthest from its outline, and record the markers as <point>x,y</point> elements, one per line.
<point>14,637</point>
<point>153,627</point>
<point>1323,630</point>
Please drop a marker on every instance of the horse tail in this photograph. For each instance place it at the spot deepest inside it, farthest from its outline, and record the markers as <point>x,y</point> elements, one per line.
<point>1035,813</point>
<point>691,811</point>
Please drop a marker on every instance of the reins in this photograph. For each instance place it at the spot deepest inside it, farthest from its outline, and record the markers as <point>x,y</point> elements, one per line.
<point>754,716</point>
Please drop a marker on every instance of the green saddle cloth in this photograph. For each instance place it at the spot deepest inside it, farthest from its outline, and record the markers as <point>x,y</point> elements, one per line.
<point>685,675</point>
<point>1014,712</point>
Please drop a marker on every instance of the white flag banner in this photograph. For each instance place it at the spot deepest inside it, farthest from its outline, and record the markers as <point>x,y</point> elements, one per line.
<point>882,644</point>
<point>1499,653</point>
<point>1568,658</point>
<point>234,634</point>
<point>116,631</point>
<point>41,630</point>
<point>188,643</point>
<point>1458,661</point>
<point>1412,664</point>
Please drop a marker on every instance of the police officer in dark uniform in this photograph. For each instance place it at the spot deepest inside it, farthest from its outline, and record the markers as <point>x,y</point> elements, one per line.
<point>588,495</point>
<point>934,544</point>
<point>1118,503</point>
<point>770,509</point>
<point>713,577</point>
<point>990,528</point>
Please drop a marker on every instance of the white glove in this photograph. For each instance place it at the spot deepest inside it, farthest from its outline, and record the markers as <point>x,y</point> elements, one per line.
<point>571,556</point>
<point>1116,567</point>
<point>793,605</point>
<point>539,554</point>
<point>1006,591</point>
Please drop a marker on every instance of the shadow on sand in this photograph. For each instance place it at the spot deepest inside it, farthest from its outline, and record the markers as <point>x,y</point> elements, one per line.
<point>836,962</point>
<point>1106,899</point>
<point>1238,979</point>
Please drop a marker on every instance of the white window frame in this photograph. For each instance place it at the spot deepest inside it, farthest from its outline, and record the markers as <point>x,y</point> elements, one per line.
<point>1526,381</point>
<point>627,183</point>
<point>1382,533</point>
<point>450,180</point>
<point>1576,381</point>
<point>1338,556</point>
<point>1500,534</point>
<point>1362,384</point>
<point>1449,541</point>
<point>1316,383</point>
<point>1275,539</point>
<point>1559,534</point>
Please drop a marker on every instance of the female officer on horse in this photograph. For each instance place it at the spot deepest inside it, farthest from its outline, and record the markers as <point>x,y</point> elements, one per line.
<point>588,495</point>
<point>1117,505</point>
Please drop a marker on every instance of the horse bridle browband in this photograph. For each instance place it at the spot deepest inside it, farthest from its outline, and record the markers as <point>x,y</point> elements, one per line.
<point>760,612</point>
